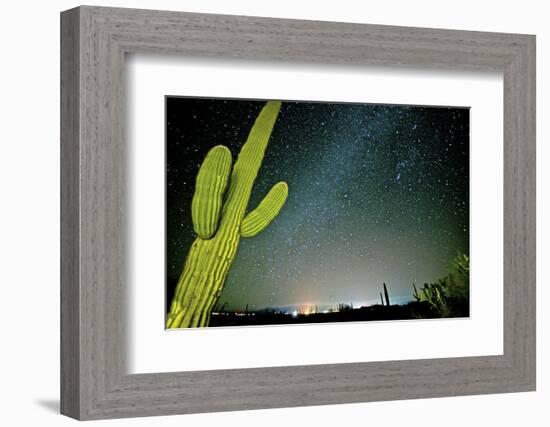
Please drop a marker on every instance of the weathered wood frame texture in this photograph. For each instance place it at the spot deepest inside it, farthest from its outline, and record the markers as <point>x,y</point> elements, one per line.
<point>94,41</point>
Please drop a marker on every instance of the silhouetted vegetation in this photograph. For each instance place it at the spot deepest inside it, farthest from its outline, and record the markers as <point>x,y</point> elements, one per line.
<point>447,297</point>
<point>450,295</point>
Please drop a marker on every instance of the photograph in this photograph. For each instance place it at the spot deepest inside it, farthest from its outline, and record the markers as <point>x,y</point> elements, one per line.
<point>294,212</point>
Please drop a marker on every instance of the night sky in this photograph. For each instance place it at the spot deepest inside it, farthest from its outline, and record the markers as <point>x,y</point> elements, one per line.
<point>377,193</point>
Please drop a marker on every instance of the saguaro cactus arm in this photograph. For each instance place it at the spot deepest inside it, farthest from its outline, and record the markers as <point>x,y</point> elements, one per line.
<point>268,209</point>
<point>209,190</point>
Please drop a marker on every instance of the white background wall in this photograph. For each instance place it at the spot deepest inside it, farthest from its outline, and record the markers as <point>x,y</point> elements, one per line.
<point>29,213</point>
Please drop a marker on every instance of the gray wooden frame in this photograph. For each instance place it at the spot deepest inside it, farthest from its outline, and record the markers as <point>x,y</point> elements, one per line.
<point>94,41</point>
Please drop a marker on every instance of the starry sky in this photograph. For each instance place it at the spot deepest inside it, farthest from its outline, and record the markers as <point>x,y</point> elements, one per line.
<point>377,193</point>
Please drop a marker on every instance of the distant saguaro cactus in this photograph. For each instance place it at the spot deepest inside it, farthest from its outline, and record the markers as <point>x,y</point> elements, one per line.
<point>219,221</point>
<point>386,295</point>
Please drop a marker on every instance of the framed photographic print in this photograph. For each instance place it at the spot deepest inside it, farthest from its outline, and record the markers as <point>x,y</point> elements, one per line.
<point>262,213</point>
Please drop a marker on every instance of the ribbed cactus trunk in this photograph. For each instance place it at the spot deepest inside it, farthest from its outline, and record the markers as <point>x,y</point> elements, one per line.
<point>219,221</point>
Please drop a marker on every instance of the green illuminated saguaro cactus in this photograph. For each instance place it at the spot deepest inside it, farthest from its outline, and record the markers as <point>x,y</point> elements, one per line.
<point>218,212</point>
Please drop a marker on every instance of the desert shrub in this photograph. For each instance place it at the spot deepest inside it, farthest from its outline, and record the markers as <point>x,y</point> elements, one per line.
<point>450,295</point>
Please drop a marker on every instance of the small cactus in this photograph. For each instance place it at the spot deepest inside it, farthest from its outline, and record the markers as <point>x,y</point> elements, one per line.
<point>386,295</point>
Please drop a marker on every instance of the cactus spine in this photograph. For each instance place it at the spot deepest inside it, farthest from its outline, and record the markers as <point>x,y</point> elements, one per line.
<point>219,221</point>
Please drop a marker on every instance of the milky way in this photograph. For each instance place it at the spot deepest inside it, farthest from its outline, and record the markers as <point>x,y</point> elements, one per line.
<point>377,193</point>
